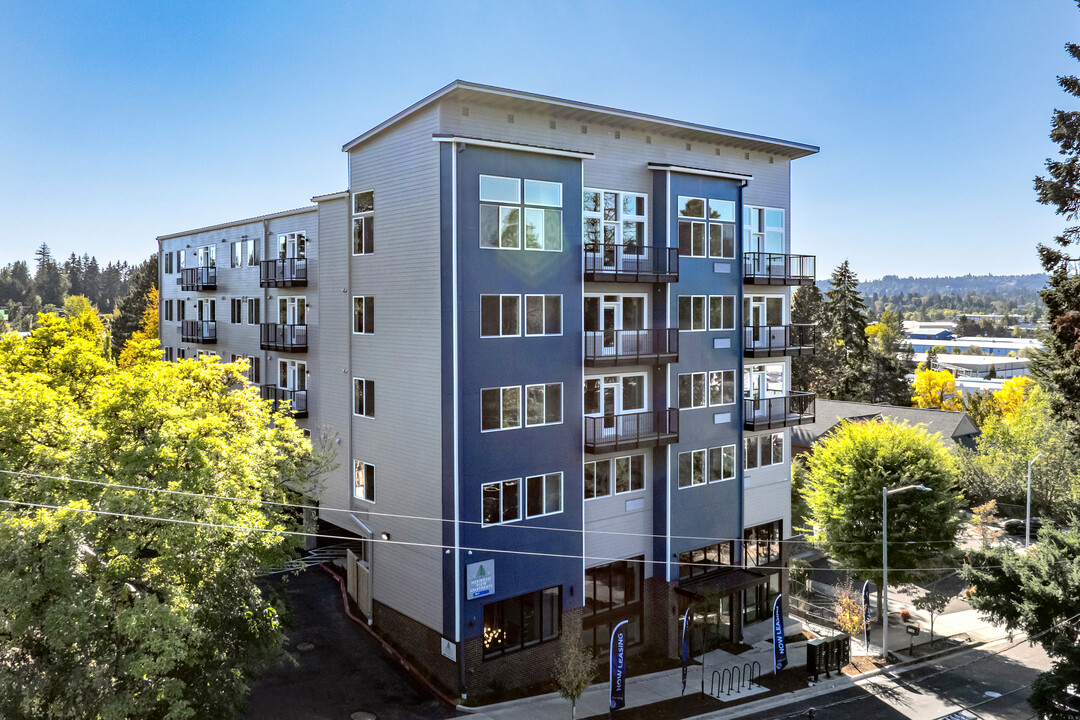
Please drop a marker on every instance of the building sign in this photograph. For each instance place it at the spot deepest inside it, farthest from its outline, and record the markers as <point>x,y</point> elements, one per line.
<point>449,650</point>
<point>617,670</point>
<point>481,579</point>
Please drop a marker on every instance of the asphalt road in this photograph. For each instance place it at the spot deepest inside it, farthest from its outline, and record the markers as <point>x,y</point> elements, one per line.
<point>934,690</point>
<point>345,672</point>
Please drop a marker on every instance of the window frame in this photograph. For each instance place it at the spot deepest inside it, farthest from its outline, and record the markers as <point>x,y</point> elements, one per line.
<point>539,599</point>
<point>366,300</point>
<point>704,313</point>
<point>618,222</point>
<point>727,319</point>
<point>502,502</point>
<point>704,390</point>
<point>757,455</point>
<point>704,469</point>
<point>724,384</point>
<point>723,450</point>
<point>502,406</point>
<point>368,411</point>
<point>359,465</point>
<point>501,297</point>
<point>545,387</point>
<point>366,221</point>
<point>544,299</point>
<point>543,478</point>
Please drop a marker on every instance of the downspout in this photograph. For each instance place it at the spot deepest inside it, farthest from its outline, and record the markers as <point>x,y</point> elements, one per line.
<point>457,418</point>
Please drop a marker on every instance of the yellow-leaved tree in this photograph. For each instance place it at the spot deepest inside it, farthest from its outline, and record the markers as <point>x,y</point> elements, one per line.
<point>936,389</point>
<point>1011,395</point>
<point>143,344</point>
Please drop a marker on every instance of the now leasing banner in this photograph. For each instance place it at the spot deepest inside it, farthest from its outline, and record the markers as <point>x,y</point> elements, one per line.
<point>617,670</point>
<point>866,613</point>
<point>779,647</point>
<point>685,647</point>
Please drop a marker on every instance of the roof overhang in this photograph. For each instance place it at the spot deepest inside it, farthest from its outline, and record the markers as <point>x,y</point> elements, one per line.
<point>524,147</point>
<point>234,223</point>
<point>686,170</point>
<point>331,196</point>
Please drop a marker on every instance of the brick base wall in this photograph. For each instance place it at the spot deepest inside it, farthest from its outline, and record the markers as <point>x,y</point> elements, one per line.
<point>661,618</point>
<point>421,645</point>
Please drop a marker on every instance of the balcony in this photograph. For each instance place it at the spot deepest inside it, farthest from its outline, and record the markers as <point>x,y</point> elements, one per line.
<point>631,263</point>
<point>285,272</point>
<point>198,278</point>
<point>763,268</point>
<point>277,396</point>
<point>612,348</point>
<point>781,411</point>
<point>286,338</point>
<point>627,431</point>
<point>778,340</point>
<point>198,331</point>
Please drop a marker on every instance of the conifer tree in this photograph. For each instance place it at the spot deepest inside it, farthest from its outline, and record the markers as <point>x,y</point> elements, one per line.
<point>843,348</point>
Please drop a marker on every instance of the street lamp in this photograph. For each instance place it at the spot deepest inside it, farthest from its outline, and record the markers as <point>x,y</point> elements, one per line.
<point>885,493</point>
<point>1027,523</point>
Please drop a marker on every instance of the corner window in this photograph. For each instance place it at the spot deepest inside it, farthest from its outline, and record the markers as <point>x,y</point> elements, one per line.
<point>691,312</point>
<point>722,312</point>
<point>706,561</point>
<point>691,468</point>
<point>523,621</point>
<point>500,408</point>
<point>691,390</point>
<point>543,494</point>
<point>613,593</point>
<point>364,314</point>
<point>761,544</point>
<point>363,232</point>
<point>500,315</point>
<point>502,501</point>
<point>543,404</point>
<point>363,397</point>
<point>363,481</point>
<point>543,314</point>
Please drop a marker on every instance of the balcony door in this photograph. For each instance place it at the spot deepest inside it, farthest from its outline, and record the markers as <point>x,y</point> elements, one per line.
<point>764,315</point>
<point>207,256</point>
<point>292,310</point>
<point>760,383</point>
<point>606,315</point>
<point>292,245</point>
<point>613,395</point>
<point>763,233</point>
<point>292,375</point>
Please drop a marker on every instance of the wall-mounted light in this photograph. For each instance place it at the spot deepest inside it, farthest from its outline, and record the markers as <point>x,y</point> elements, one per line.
<point>386,536</point>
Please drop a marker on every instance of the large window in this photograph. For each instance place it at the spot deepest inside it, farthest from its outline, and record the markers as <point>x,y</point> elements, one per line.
<point>722,463</point>
<point>761,544</point>
<point>501,501</point>
<point>763,450</point>
<point>721,228</point>
<point>501,213</point>
<point>363,481</point>
<point>543,314</point>
<point>691,312</point>
<point>763,229</point>
<point>364,314</point>
<point>691,468</point>
<point>691,390</point>
<point>363,223</point>
<point>543,494</point>
<point>706,560</point>
<point>253,311</point>
<point>363,397</point>
<point>721,387</point>
<point>543,404</point>
<point>721,312</point>
<point>520,622</point>
<point>621,475</point>
<point>500,315</point>
<point>706,227</point>
<point>614,218</point>
<point>500,408</point>
<point>613,593</point>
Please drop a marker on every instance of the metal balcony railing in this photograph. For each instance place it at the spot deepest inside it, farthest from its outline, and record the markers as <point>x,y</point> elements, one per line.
<point>198,331</point>
<point>762,268</point>
<point>198,278</point>
<point>284,272</point>
<point>278,396</point>
<point>631,263</point>
<point>776,340</point>
<point>287,338</point>
<point>610,348</point>
<point>779,411</point>
<point>626,431</point>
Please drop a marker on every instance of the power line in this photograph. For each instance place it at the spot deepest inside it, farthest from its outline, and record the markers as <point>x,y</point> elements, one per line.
<point>300,533</point>
<point>301,506</point>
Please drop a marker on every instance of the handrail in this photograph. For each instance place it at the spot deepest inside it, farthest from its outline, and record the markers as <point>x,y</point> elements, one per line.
<point>199,278</point>
<point>795,408</point>
<point>631,347</point>
<point>204,331</point>
<point>283,272</point>
<point>779,339</point>
<point>625,431</point>
<point>779,268</point>
<point>632,263</point>
<point>283,336</point>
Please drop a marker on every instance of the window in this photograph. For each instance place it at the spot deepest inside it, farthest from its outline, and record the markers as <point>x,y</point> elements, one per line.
<point>364,223</point>
<point>364,314</point>
<point>502,501</point>
<point>543,229</point>
<point>543,314</point>
<point>500,189</point>
<point>691,390</point>
<point>722,463</point>
<point>238,254</point>
<point>614,218</point>
<point>500,225</point>
<point>168,309</point>
<point>251,253</point>
<point>253,311</point>
<point>721,387</point>
<point>761,544</point>
<point>207,310</point>
<point>691,232</point>
<point>721,228</point>
<point>181,353</point>
<point>292,245</point>
<point>538,192</point>
<point>543,404</point>
<point>181,260</point>
<point>292,310</point>
<point>763,229</point>
<point>500,408</point>
<point>253,369</point>
<point>292,375</point>
<point>208,256</point>
<point>613,593</point>
<point>691,207</point>
<point>237,314</point>
<point>167,261</point>
<point>704,561</point>
<point>721,312</point>
<point>363,397</point>
<point>168,352</point>
<point>628,474</point>
<point>615,394</point>
<point>691,468</point>
<point>763,450</point>
<point>691,312</point>
<point>363,481</point>
<point>522,621</point>
<point>500,315</point>
<point>543,494</point>
<point>181,309</point>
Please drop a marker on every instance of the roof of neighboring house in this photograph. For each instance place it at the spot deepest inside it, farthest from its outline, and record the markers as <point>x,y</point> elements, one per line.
<point>952,425</point>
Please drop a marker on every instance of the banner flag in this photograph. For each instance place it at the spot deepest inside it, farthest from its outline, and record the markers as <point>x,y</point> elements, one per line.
<point>685,647</point>
<point>617,670</point>
<point>866,614</point>
<point>779,647</point>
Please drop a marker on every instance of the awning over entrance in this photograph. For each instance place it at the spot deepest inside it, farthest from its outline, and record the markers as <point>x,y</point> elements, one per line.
<point>721,584</point>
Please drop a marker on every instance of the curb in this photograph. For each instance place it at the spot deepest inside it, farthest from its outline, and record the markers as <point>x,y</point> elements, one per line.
<point>765,704</point>
<point>443,697</point>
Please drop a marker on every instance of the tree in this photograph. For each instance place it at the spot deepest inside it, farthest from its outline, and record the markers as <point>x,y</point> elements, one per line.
<point>806,304</point>
<point>932,602</point>
<point>848,611</point>
<point>1035,593</point>
<point>120,615</point>
<point>50,283</point>
<point>979,405</point>
<point>136,347</point>
<point>888,360</point>
<point>843,348</point>
<point>935,389</point>
<point>983,517</point>
<point>132,306</point>
<point>575,666</point>
<point>845,478</point>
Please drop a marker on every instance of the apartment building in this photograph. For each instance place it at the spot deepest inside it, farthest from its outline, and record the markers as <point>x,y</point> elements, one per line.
<point>553,343</point>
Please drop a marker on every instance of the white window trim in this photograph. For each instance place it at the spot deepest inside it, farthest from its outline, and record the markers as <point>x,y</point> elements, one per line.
<point>361,216</point>
<point>354,299</point>
<point>708,389</point>
<point>644,390</point>
<point>525,400</point>
<point>521,408</point>
<point>724,319</point>
<point>521,510</point>
<point>705,382</point>
<point>479,182</point>
<point>734,463</point>
<point>620,217</point>
<point>704,313</point>
<point>704,468</point>
<point>525,192</point>
<point>500,296</point>
<point>524,245</point>
<point>704,207</point>
<point>374,489</point>
<point>783,453</point>
<point>612,484</point>
<point>525,495</point>
<point>704,237</point>
<point>362,380</point>
<point>525,315</point>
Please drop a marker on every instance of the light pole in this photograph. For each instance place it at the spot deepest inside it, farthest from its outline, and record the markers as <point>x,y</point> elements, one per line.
<point>885,493</point>
<point>1027,522</point>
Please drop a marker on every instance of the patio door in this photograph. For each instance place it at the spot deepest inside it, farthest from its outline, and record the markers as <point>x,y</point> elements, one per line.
<point>761,382</point>
<point>613,395</point>
<point>292,310</point>
<point>764,316</point>
<point>292,375</point>
<point>606,315</point>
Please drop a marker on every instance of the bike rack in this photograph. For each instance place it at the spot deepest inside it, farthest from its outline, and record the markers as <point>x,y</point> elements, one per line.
<point>713,681</point>
<point>749,670</point>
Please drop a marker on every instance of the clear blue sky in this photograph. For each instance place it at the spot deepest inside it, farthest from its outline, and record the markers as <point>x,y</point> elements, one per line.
<point>126,120</point>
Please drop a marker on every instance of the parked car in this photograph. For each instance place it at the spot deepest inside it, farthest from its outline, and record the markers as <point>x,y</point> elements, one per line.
<point>1016,527</point>
<point>1070,704</point>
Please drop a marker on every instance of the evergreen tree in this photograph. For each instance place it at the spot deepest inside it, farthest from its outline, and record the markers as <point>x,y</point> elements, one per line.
<point>1058,368</point>
<point>130,308</point>
<point>50,284</point>
<point>843,350</point>
<point>806,304</point>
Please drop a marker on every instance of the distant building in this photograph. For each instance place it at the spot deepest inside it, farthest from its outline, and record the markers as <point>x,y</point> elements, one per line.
<point>955,428</point>
<point>928,330</point>
<point>979,366</point>
<point>987,345</point>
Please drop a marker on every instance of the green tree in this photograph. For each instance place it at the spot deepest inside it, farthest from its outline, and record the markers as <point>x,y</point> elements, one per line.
<point>934,603</point>
<point>50,283</point>
<point>1035,593</point>
<point>144,341</point>
<point>130,308</point>
<point>575,666</point>
<point>845,478</point>
<point>888,360</point>
<point>806,304</point>
<point>118,616</point>
<point>843,348</point>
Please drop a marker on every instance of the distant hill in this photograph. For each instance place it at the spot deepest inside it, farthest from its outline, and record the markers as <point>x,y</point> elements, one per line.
<point>994,285</point>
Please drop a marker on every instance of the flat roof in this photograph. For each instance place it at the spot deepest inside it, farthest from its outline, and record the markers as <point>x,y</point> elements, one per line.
<point>476,91</point>
<point>234,223</point>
